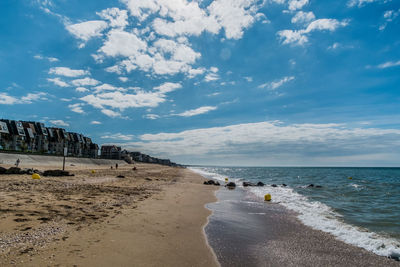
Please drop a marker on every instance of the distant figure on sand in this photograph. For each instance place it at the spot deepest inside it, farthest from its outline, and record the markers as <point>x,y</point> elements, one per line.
<point>111,167</point>
<point>17,163</point>
<point>116,165</point>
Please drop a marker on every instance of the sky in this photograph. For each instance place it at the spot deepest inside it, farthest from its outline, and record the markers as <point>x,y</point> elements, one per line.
<point>211,82</point>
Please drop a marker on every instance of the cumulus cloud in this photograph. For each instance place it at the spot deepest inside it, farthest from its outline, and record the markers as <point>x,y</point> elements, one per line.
<point>162,47</point>
<point>87,30</point>
<point>58,82</point>
<point>297,4</point>
<point>303,17</point>
<point>60,123</point>
<point>197,111</point>
<point>117,18</point>
<point>110,113</point>
<point>299,37</point>
<point>95,123</point>
<point>76,108</point>
<point>67,72</point>
<point>6,99</point>
<point>85,82</point>
<point>270,143</point>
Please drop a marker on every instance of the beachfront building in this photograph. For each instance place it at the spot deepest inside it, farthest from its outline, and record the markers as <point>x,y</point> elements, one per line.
<point>111,152</point>
<point>5,137</point>
<point>34,137</point>
<point>17,136</point>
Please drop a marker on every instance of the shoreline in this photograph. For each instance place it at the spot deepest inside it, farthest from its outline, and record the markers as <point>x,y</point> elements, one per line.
<point>245,231</point>
<point>161,220</point>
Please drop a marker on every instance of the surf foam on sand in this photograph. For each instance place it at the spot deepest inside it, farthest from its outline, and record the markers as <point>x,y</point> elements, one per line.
<point>321,217</point>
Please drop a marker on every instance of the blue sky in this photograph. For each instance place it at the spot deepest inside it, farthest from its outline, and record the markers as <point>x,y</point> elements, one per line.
<point>244,82</point>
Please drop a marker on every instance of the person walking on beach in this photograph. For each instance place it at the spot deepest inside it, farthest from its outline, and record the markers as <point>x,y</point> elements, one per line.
<point>17,163</point>
<point>116,165</point>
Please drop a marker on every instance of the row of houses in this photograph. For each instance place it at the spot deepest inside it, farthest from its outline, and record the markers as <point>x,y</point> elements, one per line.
<point>34,137</point>
<point>116,152</point>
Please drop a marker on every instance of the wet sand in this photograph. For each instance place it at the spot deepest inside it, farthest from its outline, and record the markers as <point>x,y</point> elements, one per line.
<point>246,232</point>
<point>154,216</point>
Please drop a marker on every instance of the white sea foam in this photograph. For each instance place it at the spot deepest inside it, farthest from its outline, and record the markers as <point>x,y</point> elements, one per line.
<point>212,175</point>
<point>321,217</point>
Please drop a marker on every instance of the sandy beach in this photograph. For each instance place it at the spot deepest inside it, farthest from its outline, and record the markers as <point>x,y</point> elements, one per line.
<point>153,216</point>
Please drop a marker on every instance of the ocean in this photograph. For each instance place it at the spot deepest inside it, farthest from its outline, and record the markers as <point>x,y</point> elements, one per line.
<point>360,206</point>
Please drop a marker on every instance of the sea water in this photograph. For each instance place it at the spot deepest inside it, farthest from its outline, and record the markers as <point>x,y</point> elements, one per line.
<point>360,206</point>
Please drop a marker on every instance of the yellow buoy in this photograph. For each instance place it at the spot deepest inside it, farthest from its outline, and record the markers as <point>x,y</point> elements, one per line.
<point>93,171</point>
<point>267,197</point>
<point>350,178</point>
<point>226,179</point>
<point>35,176</point>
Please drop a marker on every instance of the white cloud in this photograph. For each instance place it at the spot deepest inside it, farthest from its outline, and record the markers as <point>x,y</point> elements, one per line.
<point>95,123</point>
<point>107,87</point>
<point>5,99</point>
<point>123,79</point>
<point>300,37</point>
<point>58,82</point>
<point>168,87</point>
<point>211,77</point>
<point>151,116</point>
<point>277,84</point>
<point>85,82</point>
<point>110,113</point>
<point>303,17</point>
<point>297,4</point>
<point>67,72</point>
<point>117,18</point>
<point>59,123</point>
<point>334,46</point>
<point>389,64</point>
<point>31,97</point>
<point>119,136</point>
<point>140,49</point>
<point>81,89</point>
<point>359,3</point>
<point>249,79</point>
<point>76,108</point>
<point>197,111</point>
<point>273,143</point>
<point>87,30</point>
<point>50,59</point>
<point>389,16</point>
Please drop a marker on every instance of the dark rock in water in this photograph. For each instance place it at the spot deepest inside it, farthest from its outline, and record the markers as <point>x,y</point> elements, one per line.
<point>231,185</point>
<point>149,179</point>
<point>209,182</point>
<point>318,186</point>
<point>260,184</point>
<point>120,176</point>
<point>310,185</point>
<point>217,183</point>
<point>284,185</point>
<point>14,170</point>
<point>56,173</point>
<point>394,256</point>
<point>245,184</point>
<point>3,170</point>
<point>274,185</point>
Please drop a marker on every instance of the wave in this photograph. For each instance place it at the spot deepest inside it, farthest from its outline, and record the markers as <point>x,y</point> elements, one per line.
<point>321,217</point>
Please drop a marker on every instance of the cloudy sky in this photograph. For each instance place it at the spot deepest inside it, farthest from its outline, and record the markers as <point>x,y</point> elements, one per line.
<point>222,82</point>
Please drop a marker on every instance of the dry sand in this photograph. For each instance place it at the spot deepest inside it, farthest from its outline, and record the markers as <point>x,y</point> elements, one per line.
<point>154,216</point>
